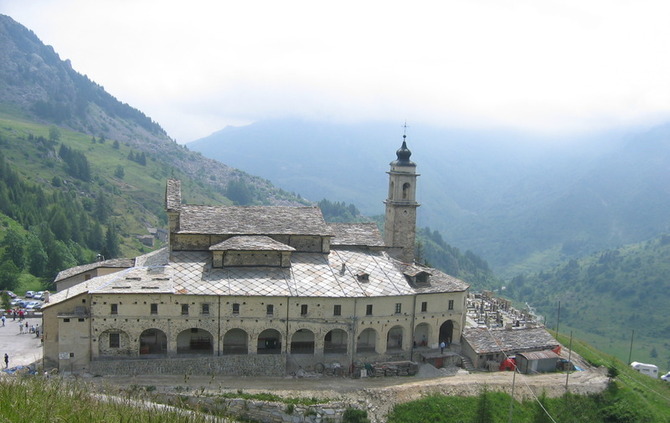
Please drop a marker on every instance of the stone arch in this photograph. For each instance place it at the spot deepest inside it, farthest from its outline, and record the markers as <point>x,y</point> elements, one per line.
<point>195,341</point>
<point>394,338</point>
<point>153,341</point>
<point>335,342</point>
<point>422,335</point>
<point>367,341</point>
<point>235,341</point>
<point>302,342</point>
<point>269,342</point>
<point>447,331</point>
<point>113,343</point>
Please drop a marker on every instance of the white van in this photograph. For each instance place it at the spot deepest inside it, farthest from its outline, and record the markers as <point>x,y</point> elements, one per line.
<point>646,369</point>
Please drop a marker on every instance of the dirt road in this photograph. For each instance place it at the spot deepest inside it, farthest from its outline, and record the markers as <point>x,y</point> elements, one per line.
<point>379,395</point>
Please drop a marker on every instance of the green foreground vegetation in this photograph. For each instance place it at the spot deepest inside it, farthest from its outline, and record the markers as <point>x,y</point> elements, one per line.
<point>630,398</point>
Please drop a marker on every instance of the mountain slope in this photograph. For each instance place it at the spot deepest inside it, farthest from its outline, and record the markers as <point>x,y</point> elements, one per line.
<point>607,295</point>
<point>37,86</point>
<point>522,203</point>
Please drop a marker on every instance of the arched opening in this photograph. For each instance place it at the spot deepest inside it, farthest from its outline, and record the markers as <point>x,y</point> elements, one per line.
<point>153,341</point>
<point>394,339</point>
<point>367,341</point>
<point>335,342</point>
<point>195,341</point>
<point>113,343</point>
<point>302,342</point>
<point>269,342</point>
<point>235,342</point>
<point>422,335</point>
<point>405,191</point>
<point>447,332</point>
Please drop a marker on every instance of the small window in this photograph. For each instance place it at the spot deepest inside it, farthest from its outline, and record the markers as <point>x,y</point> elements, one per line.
<point>368,310</point>
<point>363,277</point>
<point>422,277</point>
<point>114,309</point>
<point>154,308</point>
<point>424,306</point>
<point>337,310</point>
<point>303,310</point>
<point>114,340</point>
<point>270,310</point>
<point>398,308</point>
<point>184,309</point>
<point>236,308</point>
<point>205,309</point>
<point>451,304</point>
<point>66,320</point>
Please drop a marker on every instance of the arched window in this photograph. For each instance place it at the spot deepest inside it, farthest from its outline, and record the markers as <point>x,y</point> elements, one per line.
<point>405,191</point>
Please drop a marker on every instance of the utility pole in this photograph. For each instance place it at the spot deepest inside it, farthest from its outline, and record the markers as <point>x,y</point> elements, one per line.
<point>567,375</point>
<point>630,352</point>
<point>558,318</point>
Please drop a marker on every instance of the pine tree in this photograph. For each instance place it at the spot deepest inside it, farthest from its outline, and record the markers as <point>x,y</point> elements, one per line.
<point>14,244</point>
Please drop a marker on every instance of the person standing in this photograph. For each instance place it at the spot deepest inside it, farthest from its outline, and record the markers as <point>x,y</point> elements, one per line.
<point>3,320</point>
<point>6,360</point>
<point>442,345</point>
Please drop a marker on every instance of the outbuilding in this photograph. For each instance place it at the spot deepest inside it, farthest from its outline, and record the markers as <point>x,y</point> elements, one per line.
<point>537,361</point>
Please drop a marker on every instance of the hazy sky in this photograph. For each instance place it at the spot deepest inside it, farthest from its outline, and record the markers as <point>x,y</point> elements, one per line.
<point>197,66</point>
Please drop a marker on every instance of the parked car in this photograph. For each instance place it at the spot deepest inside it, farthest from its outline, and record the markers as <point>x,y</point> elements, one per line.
<point>39,295</point>
<point>32,304</point>
<point>29,294</point>
<point>21,304</point>
<point>666,377</point>
<point>10,293</point>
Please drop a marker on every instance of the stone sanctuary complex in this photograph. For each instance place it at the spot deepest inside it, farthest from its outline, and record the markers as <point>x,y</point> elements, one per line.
<point>258,291</point>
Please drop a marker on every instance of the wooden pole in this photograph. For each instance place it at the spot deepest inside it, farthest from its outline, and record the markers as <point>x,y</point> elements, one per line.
<point>630,352</point>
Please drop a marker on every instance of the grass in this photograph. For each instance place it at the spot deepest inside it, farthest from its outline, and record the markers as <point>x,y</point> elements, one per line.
<point>32,399</point>
<point>631,397</point>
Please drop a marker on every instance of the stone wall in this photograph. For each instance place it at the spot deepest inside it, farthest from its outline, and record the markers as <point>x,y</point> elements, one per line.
<point>237,365</point>
<point>267,411</point>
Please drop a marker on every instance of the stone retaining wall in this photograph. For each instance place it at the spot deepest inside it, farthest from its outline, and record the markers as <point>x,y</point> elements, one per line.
<point>271,412</point>
<point>235,365</point>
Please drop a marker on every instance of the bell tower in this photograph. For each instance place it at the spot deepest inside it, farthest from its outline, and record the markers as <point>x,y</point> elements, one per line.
<point>400,219</point>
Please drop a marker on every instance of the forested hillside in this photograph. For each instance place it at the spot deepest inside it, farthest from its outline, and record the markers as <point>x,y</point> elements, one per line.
<point>522,202</point>
<point>608,295</point>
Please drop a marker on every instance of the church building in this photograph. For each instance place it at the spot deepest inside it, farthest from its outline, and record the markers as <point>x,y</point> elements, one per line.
<point>259,290</point>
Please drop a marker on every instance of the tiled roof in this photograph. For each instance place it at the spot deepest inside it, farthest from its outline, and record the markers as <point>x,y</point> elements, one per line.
<point>112,263</point>
<point>485,341</point>
<point>251,243</point>
<point>358,234</point>
<point>415,269</point>
<point>252,220</point>
<point>310,275</point>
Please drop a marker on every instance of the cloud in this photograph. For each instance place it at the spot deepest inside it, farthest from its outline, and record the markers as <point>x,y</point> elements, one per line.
<point>542,66</point>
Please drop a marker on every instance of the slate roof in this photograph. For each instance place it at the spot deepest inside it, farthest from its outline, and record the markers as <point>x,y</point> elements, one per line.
<point>252,220</point>
<point>485,341</point>
<point>311,275</point>
<point>112,263</point>
<point>356,234</point>
<point>251,243</point>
